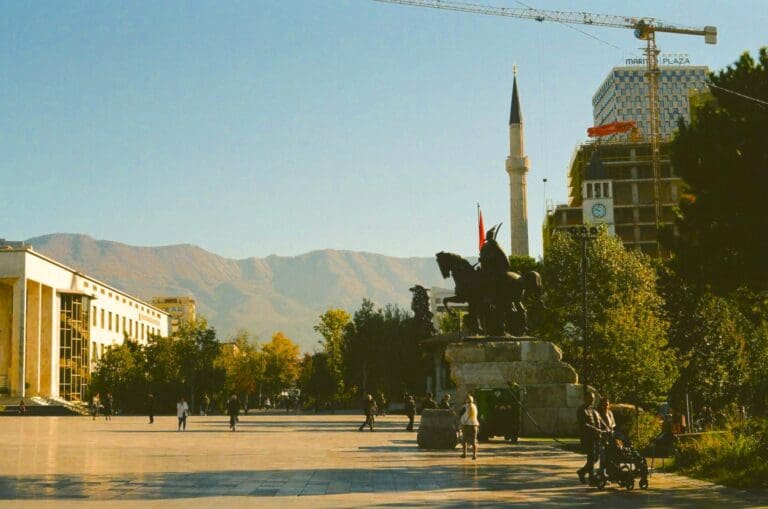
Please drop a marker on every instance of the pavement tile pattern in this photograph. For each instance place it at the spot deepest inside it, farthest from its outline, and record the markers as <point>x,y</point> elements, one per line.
<point>277,460</point>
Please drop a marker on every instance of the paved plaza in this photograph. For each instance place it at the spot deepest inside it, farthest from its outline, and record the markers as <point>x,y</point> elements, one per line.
<point>280,460</point>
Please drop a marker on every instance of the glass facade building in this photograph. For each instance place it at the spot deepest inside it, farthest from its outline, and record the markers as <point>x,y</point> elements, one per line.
<point>623,96</point>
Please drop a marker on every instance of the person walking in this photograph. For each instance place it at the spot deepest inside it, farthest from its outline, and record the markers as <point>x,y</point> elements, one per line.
<point>182,410</point>
<point>469,426</point>
<point>410,411</point>
<point>370,412</point>
<point>22,408</point>
<point>233,408</point>
<point>608,427</point>
<point>151,407</point>
<point>382,405</point>
<point>108,402</point>
<point>95,404</point>
<point>206,404</point>
<point>589,427</point>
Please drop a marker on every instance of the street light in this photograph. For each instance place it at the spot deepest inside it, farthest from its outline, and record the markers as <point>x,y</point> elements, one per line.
<point>585,234</point>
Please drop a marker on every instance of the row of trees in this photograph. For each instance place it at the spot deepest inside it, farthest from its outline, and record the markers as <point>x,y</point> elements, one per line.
<point>193,363</point>
<point>376,350</point>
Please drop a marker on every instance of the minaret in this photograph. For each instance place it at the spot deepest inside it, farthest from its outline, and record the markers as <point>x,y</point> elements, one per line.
<point>517,168</point>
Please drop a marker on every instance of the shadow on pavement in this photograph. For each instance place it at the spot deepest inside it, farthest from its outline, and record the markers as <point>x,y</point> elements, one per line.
<point>528,485</point>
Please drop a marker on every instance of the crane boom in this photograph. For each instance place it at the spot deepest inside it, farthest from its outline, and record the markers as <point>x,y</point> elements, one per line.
<point>644,28</point>
<point>641,25</point>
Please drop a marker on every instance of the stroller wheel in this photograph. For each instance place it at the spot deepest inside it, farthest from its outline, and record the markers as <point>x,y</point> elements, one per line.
<point>644,483</point>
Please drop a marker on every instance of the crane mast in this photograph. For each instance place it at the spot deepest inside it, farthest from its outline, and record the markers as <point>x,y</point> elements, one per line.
<point>644,29</point>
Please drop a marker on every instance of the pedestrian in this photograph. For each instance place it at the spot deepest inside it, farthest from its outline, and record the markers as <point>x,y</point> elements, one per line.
<point>108,402</point>
<point>606,415</point>
<point>233,408</point>
<point>608,425</point>
<point>369,407</point>
<point>22,408</point>
<point>589,427</point>
<point>151,407</point>
<point>182,410</point>
<point>206,404</point>
<point>267,404</point>
<point>428,402</point>
<point>95,404</point>
<point>445,403</point>
<point>382,405</point>
<point>410,411</point>
<point>469,426</point>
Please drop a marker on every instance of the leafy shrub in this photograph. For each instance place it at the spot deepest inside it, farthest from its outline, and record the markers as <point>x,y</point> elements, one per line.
<point>640,427</point>
<point>737,456</point>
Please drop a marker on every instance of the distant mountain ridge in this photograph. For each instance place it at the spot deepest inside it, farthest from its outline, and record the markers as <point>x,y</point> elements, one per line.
<point>262,295</point>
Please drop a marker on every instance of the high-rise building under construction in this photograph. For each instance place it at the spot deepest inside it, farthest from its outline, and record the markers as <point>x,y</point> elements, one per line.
<point>611,180</point>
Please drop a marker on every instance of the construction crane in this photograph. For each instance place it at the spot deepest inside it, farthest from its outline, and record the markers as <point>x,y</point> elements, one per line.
<point>644,29</point>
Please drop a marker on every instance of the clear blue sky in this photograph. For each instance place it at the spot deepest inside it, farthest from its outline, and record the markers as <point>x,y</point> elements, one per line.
<point>280,127</point>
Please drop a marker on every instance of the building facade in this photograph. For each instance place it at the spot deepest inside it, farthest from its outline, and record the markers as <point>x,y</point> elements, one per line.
<point>56,323</point>
<point>612,184</point>
<point>180,309</point>
<point>623,96</point>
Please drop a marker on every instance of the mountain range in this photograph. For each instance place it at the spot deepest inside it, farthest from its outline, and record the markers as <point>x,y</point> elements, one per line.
<point>261,295</point>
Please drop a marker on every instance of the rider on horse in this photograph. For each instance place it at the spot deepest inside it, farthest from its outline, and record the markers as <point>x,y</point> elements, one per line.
<point>493,260</point>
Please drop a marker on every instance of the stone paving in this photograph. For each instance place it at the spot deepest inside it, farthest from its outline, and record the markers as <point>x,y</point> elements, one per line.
<point>280,460</point>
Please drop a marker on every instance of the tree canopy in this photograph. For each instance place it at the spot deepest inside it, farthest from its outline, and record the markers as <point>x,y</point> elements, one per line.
<point>629,358</point>
<point>722,156</point>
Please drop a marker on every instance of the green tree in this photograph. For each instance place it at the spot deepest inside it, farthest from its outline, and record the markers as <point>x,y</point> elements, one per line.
<point>244,366</point>
<point>722,157</point>
<point>629,358</point>
<point>121,371</point>
<point>163,372</point>
<point>713,358</point>
<point>522,264</point>
<point>422,313</point>
<point>450,321</point>
<point>196,350</point>
<point>316,380</point>
<point>281,363</point>
<point>331,326</point>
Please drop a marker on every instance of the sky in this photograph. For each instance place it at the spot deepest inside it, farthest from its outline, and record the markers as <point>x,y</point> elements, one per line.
<point>280,127</point>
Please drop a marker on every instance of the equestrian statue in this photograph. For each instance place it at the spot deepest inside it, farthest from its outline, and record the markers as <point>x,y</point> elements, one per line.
<point>493,293</point>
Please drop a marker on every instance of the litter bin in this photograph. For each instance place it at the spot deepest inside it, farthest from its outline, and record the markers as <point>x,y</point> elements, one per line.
<point>499,412</point>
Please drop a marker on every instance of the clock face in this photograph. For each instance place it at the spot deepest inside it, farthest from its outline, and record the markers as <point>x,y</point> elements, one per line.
<point>598,210</point>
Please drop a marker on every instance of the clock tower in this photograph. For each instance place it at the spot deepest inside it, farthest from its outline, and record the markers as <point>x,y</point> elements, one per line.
<point>597,195</point>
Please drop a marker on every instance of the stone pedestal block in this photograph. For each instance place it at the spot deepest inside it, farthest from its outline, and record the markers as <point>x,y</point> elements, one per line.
<point>437,429</point>
<point>552,393</point>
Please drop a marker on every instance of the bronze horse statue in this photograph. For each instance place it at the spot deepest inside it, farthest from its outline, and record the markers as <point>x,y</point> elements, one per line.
<point>495,301</point>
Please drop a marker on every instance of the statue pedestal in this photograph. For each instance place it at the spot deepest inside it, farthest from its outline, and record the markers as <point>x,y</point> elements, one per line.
<point>552,394</point>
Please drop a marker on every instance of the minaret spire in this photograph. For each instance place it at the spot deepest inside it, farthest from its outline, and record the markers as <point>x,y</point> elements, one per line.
<point>515,116</point>
<point>517,169</point>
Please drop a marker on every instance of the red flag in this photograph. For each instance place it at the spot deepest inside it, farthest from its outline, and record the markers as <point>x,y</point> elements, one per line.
<point>480,228</point>
<point>612,128</point>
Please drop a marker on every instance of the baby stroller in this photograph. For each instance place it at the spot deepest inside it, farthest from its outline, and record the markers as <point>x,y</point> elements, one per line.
<point>620,464</point>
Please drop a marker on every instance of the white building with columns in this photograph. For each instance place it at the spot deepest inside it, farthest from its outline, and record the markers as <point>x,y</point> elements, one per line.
<point>56,322</point>
<point>517,169</point>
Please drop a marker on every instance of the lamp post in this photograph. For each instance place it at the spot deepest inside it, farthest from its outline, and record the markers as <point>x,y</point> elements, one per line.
<point>585,234</point>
